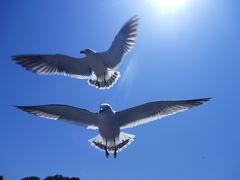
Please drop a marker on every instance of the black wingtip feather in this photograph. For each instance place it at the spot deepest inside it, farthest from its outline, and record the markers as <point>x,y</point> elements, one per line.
<point>19,107</point>
<point>23,108</point>
<point>197,102</point>
<point>18,57</point>
<point>204,99</point>
<point>135,18</point>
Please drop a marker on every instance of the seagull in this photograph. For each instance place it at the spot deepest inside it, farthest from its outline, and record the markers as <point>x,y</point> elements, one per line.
<point>109,123</point>
<point>99,68</point>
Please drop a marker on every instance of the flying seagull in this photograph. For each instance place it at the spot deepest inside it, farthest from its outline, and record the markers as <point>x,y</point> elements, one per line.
<point>100,68</point>
<point>109,122</point>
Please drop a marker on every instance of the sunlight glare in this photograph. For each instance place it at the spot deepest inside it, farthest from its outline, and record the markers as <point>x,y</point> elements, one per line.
<point>170,6</point>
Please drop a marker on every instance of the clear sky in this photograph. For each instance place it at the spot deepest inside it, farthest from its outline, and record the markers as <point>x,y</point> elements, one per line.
<point>184,51</point>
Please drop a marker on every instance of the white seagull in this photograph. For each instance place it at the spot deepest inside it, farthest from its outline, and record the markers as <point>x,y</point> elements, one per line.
<point>100,68</point>
<point>109,122</point>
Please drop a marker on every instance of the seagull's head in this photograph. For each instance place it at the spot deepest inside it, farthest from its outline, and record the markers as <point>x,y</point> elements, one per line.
<point>87,51</point>
<point>105,107</point>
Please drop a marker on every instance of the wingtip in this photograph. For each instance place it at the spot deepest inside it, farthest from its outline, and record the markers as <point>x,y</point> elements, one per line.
<point>199,101</point>
<point>18,107</point>
<point>16,57</point>
<point>23,108</point>
<point>202,100</point>
<point>13,57</point>
<point>22,56</point>
<point>207,99</point>
<point>134,18</point>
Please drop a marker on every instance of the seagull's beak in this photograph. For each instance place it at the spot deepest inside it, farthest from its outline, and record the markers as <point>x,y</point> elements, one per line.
<point>82,52</point>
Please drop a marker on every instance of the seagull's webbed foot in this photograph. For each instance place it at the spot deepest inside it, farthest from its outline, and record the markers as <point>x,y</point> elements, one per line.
<point>106,151</point>
<point>115,153</point>
<point>115,150</point>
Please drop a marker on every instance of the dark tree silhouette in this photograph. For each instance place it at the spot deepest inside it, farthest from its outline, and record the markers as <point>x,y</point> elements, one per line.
<point>1,177</point>
<point>31,178</point>
<point>60,177</point>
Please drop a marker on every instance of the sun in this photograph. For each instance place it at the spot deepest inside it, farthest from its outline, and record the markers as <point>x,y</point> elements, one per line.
<point>170,6</point>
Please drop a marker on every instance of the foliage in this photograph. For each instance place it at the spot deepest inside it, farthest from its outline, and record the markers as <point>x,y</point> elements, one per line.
<point>56,177</point>
<point>60,177</point>
<point>31,178</point>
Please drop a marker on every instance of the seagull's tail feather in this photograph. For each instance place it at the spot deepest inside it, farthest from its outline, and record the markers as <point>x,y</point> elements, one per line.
<point>121,142</point>
<point>105,82</point>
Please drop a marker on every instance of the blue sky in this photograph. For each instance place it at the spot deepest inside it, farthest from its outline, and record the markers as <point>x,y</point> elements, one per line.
<point>191,52</point>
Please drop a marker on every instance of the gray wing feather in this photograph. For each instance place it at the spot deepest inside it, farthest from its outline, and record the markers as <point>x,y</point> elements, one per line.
<point>122,43</point>
<point>66,113</point>
<point>154,110</point>
<point>55,64</point>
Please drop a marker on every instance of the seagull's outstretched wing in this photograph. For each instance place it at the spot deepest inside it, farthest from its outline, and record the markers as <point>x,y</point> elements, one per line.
<point>154,110</point>
<point>55,64</point>
<point>66,113</point>
<point>122,43</point>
